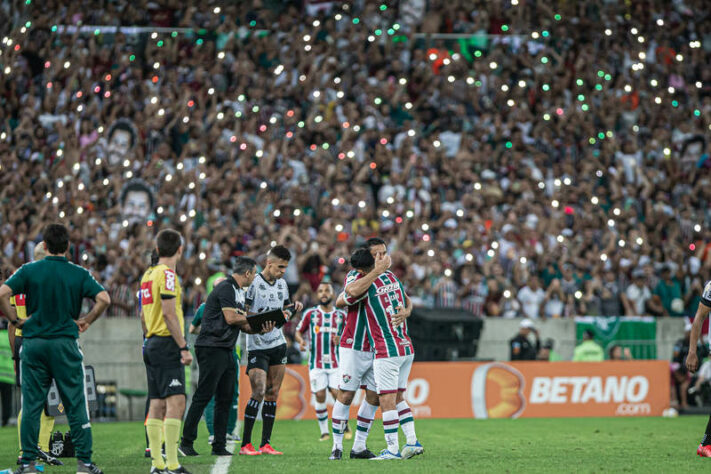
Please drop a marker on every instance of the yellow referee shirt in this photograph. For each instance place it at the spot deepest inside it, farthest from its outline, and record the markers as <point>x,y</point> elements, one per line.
<point>160,283</point>
<point>18,301</point>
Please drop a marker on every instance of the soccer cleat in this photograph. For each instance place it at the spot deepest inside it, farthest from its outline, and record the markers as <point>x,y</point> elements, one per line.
<point>365,454</point>
<point>411,450</point>
<point>385,454</point>
<point>704,451</point>
<point>91,468</point>
<point>267,449</point>
<point>26,468</point>
<point>155,470</point>
<point>233,437</point>
<point>248,450</point>
<point>210,439</point>
<point>336,455</point>
<point>348,434</point>
<point>48,458</point>
<point>221,452</point>
<point>185,450</point>
<point>324,437</point>
<point>177,470</point>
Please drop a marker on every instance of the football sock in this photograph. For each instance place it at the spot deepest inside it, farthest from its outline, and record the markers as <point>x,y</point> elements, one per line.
<point>154,427</point>
<point>366,413</point>
<point>390,423</point>
<point>19,434</point>
<point>707,436</point>
<point>250,415</point>
<point>172,435</point>
<point>407,422</point>
<point>268,415</point>
<point>339,418</point>
<point>45,431</point>
<point>322,415</point>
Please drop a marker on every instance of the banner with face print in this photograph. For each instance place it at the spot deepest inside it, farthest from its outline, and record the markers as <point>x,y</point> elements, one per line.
<point>509,390</point>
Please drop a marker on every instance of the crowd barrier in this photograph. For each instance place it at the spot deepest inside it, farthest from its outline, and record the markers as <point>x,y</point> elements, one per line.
<point>507,390</point>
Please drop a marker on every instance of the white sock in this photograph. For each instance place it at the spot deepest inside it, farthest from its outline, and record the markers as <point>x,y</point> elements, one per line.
<point>407,422</point>
<point>322,415</point>
<point>339,419</point>
<point>390,422</point>
<point>366,413</point>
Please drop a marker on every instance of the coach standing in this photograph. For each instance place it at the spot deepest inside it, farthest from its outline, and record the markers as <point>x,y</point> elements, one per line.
<point>223,317</point>
<point>55,289</point>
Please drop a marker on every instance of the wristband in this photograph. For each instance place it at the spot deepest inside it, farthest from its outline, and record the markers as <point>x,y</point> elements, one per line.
<point>186,348</point>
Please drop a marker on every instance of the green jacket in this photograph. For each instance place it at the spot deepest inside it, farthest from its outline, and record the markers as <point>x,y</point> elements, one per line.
<point>588,351</point>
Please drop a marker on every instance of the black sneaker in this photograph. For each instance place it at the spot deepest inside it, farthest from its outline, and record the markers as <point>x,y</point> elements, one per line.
<point>365,454</point>
<point>336,455</point>
<point>178,470</point>
<point>26,468</point>
<point>48,458</point>
<point>91,468</point>
<point>185,450</point>
<point>221,452</point>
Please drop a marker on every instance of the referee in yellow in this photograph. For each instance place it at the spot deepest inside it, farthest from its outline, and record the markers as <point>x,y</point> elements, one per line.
<point>54,289</point>
<point>165,352</point>
<point>15,338</point>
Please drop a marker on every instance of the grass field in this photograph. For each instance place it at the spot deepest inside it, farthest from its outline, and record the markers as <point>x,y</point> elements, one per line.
<point>526,445</point>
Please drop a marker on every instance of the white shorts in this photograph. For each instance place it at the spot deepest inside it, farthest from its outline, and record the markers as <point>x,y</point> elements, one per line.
<point>391,373</point>
<point>323,378</point>
<point>356,370</point>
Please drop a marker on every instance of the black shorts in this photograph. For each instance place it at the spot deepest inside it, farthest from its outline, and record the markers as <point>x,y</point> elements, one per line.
<point>16,358</point>
<point>265,358</point>
<point>164,371</point>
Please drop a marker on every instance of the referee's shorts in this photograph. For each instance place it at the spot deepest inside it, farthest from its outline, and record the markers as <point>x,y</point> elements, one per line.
<point>164,371</point>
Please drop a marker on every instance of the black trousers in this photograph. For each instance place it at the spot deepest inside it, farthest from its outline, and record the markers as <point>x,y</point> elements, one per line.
<point>217,378</point>
<point>6,398</point>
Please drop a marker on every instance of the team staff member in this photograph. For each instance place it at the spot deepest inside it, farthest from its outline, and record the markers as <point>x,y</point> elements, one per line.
<point>15,337</point>
<point>520,347</point>
<point>165,352</point>
<point>267,352</point>
<point>54,289</point>
<point>223,318</point>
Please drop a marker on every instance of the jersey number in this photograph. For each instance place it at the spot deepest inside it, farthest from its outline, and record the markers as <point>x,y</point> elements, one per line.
<point>146,295</point>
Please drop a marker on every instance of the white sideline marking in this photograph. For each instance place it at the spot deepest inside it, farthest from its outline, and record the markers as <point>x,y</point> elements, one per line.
<point>222,465</point>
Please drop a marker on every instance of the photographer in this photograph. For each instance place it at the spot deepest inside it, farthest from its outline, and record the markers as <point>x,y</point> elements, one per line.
<point>520,347</point>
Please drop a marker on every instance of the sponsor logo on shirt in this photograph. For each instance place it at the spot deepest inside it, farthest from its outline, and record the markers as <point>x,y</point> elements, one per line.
<point>346,378</point>
<point>169,280</point>
<point>146,295</point>
<point>175,383</point>
<point>387,288</point>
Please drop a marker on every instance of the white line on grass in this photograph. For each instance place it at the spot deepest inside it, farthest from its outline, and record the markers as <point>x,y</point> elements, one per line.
<point>222,465</point>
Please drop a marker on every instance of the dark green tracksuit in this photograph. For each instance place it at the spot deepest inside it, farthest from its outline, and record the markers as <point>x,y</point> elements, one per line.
<point>55,289</point>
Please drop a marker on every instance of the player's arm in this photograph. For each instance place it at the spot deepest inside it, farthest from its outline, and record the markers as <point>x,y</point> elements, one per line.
<point>300,329</point>
<point>168,303</point>
<point>8,312</point>
<point>702,312</point>
<point>103,300</point>
<point>359,286</point>
<point>197,320</point>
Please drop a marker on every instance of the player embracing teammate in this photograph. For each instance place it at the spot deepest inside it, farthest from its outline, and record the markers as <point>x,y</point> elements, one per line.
<point>377,309</point>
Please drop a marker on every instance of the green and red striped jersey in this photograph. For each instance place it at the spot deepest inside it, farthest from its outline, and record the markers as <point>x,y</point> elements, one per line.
<point>355,327</point>
<point>385,296</point>
<point>322,327</point>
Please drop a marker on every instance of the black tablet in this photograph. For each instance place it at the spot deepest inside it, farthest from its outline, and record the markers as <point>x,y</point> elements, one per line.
<point>256,321</point>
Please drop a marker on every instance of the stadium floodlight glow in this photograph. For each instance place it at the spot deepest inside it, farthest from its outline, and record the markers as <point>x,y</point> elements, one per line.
<point>168,177</point>
<point>60,184</point>
<point>371,38</point>
<point>402,81</point>
<point>660,22</point>
<point>361,204</point>
<point>263,185</point>
<point>154,100</point>
<point>316,94</point>
<point>430,253</point>
<point>106,181</point>
<point>598,173</point>
<point>634,31</point>
<point>339,227</point>
<point>425,227</point>
<point>698,84</point>
<point>640,39</point>
<point>491,253</point>
<point>450,78</point>
<point>653,83</point>
<point>621,243</point>
<point>339,94</point>
<point>640,240</point>
<point>191,185</point>
<point>161,112</point>
<point>557,182</point>
<point>156,65</point>
<point>220,116</point>
<point>523,260</point>
<point>493,65</point>
<point>535,35</point>
<point>202,175</point>
<point>409,214</point>
<point>608,32</point>
<point>628,88</point>
<point>470,80</point>
<point>335,202</point>
<point>594,200</point>
<point>386,213</point>
<point>55,200</point>
<point>307,38</point>
<point>679,57</point>
<point>61,215</point>
<point>336,80</point>
<point>460,213</point>
<point>510,103</point>
<point>507,293</point>
<point>192,213</point>
<point>522,83</point>
<point>67,64</point>
<point>671,90</point>
<point>567,181</point>
<point>617,211</point>
<point>338,17</point>
<point>610,223</point>
<point>642,55</point>
<point>408,105</point>
<point>448,272</point>
<point>277,213</point>
<point>469,257</point>
<point>316,23</point>
<point>436,143</point>
<point>494,245</point>
<point>667,152</point>
<point>697,228</point>
<point>411,133</point>
<point>555,203</point>
<point>603,257</point>
<point>657,100</point>
<point>183,218</point>
<point>505,88</point>
<point>560,239</point>
<point>514,2</point>
<point>179,166</point>
<point>541,185</point>
<point>578,294</point>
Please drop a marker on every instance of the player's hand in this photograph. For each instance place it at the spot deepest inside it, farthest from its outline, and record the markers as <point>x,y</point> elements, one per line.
<point>186,358</point>
<point>303,346</point>
<point>336,340</point>
<point>382,264</point>
<point>83,324</point>
<point>268,326</point>
<point>692,361</point>
<point>20,323</point>
<point>298,306</point>
<point>399,318</point>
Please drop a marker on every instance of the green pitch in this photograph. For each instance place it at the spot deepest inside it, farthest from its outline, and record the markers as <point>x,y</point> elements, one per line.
<point>527,445</point>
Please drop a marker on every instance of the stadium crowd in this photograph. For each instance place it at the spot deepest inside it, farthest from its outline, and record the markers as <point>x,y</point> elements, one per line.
<point>548,170</point>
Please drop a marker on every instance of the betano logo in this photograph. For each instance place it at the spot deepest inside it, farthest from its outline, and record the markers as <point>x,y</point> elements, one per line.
<point>497,392</point>
<point>611,389</point>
